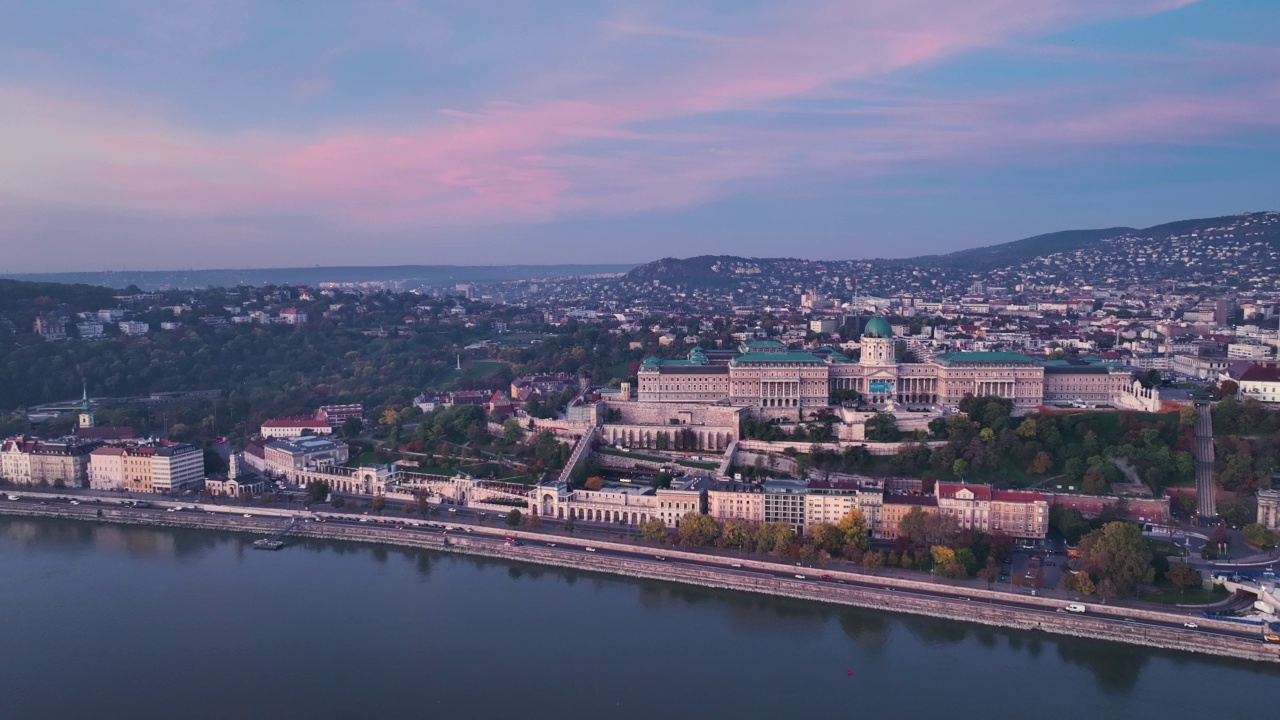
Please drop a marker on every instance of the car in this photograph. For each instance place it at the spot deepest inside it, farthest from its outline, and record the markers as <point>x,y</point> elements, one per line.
<point>801,577</point>
<point>1129,620</point>
<point>248,515</point>
<point>467,529</point>
<point>590,549</point>
<point>736,565</point>
<point>841,582</point>
<point>502,516</point>
<point>44,502</point>
<point>1191,625</point>
<point>551,544</point>
<point>172,509</point>
<point>658,557</point>
<point>827,577</point>
<point>75,502</point>
<point>886,587</point>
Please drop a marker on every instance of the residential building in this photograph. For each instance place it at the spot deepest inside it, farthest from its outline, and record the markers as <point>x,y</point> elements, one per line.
<point>830,501</point>
<point>133,327</point>
<point>784,502</point>
<point>90,330</point>
<point>732,499</point>
<point>62,462</point>
<point>335,415</point>
<point>50,327</point>
<point>1260,382</point>
<point>896,506</point>
<point>979,507</point>
<point>290,427</point>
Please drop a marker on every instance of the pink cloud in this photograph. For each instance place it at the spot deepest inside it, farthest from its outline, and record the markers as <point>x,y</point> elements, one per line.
<point>593,149</point>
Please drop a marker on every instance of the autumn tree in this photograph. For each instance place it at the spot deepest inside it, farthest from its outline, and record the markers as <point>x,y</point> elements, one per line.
<point>853,526</point>
<point>653,530</point>
<point>737,532</point>
<point>1117,556</point>
<point>1259,536</point>
<point>826,536</point>
<point>1184,576</point>
<point>594,482</point>
<point>697,529</point>
<point>513,518</point>
<point>873,560</point>
<point>928,528</point>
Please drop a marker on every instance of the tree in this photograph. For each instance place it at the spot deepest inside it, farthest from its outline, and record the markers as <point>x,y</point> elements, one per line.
<point>1259,536</point>
<point>774,537</point>
<point>653,530</point>
<point>697,529</point>
<point>854,528</point>
<point>594,483</point>
<point>873,560</point>
<point>1117,555</point>
<point>881,427</point>
<point>1040,464</point>
<point>378,503</point>
<point>960,468</point>
<point>512,433</point>
<point>736,533</point>
<point>942,555</point>
<point>928,528</point>
<point>352,427</point>
<point>826,536</point>
<point>317,490</point>
<point>513,518</point>
<point>1184,576</point>
<point>389,417</point>
<point>1234,511</point>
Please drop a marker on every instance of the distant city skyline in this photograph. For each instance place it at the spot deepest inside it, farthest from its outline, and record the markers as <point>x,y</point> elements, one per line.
<point>240,133</point>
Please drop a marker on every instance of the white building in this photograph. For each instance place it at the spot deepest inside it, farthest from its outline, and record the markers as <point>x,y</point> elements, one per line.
<point>295,427</point>
<point>133,327</point>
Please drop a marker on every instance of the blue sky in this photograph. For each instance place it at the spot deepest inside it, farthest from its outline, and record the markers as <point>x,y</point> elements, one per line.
<point>235,133</point>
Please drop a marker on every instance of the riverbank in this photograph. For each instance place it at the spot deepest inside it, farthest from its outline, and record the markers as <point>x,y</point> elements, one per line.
<point>1127,625</point>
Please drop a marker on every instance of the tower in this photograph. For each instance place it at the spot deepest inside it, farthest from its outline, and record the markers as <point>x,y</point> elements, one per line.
<point>86,412</point>
<point>877,343</point>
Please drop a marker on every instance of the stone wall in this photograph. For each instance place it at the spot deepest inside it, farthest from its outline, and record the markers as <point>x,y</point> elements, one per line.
<point>486,541</point>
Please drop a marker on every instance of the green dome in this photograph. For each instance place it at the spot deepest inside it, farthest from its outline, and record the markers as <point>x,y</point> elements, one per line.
<point>877,327</point>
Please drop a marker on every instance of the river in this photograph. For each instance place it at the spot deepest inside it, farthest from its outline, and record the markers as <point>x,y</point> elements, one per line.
<point>104,621</point>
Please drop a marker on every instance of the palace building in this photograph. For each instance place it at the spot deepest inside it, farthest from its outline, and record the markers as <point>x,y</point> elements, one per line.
<point>774,380</point>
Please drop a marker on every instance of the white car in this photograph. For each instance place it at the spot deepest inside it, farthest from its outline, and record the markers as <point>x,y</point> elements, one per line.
<point>801,577</point>
<point>590,549</point>
<point>1191,625</point>
<point>75,502</point>
<point>172,509</point>
<point>248,515</point>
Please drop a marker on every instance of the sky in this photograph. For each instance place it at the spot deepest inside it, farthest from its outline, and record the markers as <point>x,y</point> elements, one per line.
<point>138,134</point>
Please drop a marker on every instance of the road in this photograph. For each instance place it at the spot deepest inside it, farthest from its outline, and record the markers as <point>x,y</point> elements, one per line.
<point>834,582</point>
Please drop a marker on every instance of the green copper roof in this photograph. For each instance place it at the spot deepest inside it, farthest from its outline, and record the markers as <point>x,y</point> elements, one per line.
<point>987,358</point>
<point>777,357</point>
<point>877,327</point>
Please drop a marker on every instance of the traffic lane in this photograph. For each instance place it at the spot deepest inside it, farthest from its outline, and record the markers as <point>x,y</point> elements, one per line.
<point>380,525</point>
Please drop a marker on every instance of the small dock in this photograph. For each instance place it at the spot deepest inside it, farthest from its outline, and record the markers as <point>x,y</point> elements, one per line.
<point>275,541</point>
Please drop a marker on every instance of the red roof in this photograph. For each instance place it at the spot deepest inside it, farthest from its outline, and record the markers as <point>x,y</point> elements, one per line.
<point>949,490</point>
<point>1261,373</point>
<point>1017,496</point>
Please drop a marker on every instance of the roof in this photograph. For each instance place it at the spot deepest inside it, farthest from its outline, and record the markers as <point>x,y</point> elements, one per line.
<point>923,500</point>
<point>791,356</point>
<point>986,358</point>
<point>1076,370</point>
<point>877,327</point>
<point>1261,373</point>
<point>107,433</point>
<point>1022,496</point>
<point>950,490</point>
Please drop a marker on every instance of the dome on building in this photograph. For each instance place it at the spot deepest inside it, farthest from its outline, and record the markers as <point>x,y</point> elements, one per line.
<point>877,327</point>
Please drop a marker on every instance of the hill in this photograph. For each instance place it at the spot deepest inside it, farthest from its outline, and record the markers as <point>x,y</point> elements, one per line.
<point>410,276</point>
<point>1105,247</point>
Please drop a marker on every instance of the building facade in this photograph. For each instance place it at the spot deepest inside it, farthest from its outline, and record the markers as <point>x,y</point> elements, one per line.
<point>62,462</point>
<point>295,427</point>
<point>772,379</point>
<point>1269,508</point>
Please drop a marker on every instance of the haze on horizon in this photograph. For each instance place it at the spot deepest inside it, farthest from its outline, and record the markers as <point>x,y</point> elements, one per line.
<point>234,133</point>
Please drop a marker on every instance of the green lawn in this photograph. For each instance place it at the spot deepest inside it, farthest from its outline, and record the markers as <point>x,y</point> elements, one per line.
<point>1170,595</point>
<point>1164,547</point>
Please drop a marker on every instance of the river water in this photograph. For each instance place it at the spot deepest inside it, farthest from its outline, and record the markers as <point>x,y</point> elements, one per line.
<point>125,622</point>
